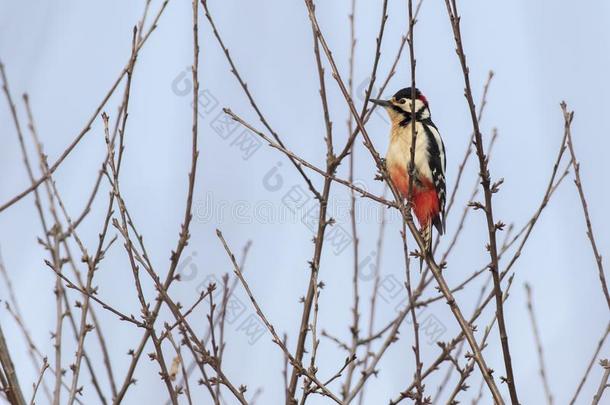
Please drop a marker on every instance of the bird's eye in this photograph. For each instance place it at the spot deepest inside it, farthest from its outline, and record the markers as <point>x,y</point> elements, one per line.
<point>402,101</point>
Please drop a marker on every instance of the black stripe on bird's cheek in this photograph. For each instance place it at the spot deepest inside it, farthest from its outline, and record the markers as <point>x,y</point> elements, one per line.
<point>398,109</point>
<point>407,115</point>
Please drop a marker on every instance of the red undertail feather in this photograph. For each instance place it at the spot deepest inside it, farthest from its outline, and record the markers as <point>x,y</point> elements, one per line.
<point>425,202</point>
<point>426,207</point>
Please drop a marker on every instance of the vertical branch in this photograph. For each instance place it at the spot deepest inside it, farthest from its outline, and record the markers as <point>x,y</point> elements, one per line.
<point>418,396</point>
<point>354,329</point>
<point>315,342</point>
<point>543,376</point>
<point>488,190</point>
<point>59,314</point>
<point>215,347</point>
<point>285,369</point>
<point>413,62</point>
<point>223,317</point>
<point>419,389</point>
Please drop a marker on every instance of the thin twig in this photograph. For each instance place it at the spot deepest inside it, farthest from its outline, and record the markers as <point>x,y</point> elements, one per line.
<point>591,363</point>
<point>45,366</point>
<point>543,376</point>
<point>418,395</point>
<point>603,383</point>
<point>355,327</point>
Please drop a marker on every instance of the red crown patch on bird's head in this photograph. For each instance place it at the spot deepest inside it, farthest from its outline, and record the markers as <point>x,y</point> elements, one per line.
<point>423,99</point>
<point>406,93</point>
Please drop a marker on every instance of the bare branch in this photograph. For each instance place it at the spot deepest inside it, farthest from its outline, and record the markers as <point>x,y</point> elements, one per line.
<point>539,349</point>
<point>583,200</point>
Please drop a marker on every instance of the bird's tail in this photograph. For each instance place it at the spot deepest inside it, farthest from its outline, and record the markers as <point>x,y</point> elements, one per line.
<point>426,233</point>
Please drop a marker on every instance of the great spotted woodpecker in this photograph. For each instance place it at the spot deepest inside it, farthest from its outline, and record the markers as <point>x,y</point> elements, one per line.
<point>428,197</point>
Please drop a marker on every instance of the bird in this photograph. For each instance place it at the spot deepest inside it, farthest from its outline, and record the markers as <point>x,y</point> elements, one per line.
<point>429,187</point>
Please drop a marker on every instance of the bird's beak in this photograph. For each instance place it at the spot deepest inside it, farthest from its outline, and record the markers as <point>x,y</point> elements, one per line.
<point>382,103</point>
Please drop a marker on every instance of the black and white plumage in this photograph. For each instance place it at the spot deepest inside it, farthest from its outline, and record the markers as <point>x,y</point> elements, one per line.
<point>429,193</point>
<point>437,163</point>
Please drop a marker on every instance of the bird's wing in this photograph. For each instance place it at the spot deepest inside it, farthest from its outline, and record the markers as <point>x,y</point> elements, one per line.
<point>437,162</point>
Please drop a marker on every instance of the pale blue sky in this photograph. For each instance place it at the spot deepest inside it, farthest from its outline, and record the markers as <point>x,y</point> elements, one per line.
<point>66,56</point>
